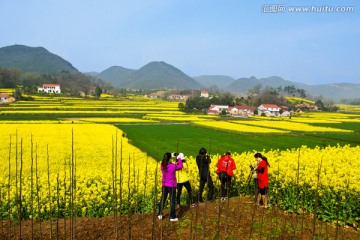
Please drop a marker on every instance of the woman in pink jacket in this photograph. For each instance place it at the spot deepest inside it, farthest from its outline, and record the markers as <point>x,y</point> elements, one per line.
<point>168,170</point>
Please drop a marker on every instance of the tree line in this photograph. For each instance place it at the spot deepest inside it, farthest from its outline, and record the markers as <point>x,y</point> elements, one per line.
<point>72,83</point>
<point>254,98</point>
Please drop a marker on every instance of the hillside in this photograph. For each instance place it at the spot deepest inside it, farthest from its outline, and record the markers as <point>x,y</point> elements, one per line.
<point>160,75</point>
<point>116,75</point>
<point>154,75</point>
<point>220,81</point>
<point>329,91</point>
<point>33,59</point>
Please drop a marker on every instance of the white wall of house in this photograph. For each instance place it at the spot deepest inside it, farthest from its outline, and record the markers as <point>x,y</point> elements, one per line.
<point>204,94</point>
<point>271,108</point>
<point>4,97</point>
<point>50,88</point>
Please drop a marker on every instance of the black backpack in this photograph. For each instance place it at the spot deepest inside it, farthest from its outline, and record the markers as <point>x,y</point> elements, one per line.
<point>223,176</point>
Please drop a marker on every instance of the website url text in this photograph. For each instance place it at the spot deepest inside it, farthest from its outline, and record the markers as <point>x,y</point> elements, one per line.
<point>281,8</point>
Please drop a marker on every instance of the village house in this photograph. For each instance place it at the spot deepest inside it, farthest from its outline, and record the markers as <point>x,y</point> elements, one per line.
<point>242,111</point>
<point>178,97</point>
<point>50,88</point>
<point>286,114</point>
<point>5,98</point>
<point>310,107</point>
<point>217,109</point>
<point>152,96</point>
<point>204,94</point>
<point>271,110</point>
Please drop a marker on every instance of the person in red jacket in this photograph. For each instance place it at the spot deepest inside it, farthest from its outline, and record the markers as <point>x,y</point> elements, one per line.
<point>225,167</point>
<point>263,180</point>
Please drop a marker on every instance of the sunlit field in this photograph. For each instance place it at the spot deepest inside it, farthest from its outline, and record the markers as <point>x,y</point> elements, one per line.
<point>52,157</point>
<point>229,126</point>
<point>349,108</point>
<point>79,170</point>
<point>97,157</point>
<point>290,126</point>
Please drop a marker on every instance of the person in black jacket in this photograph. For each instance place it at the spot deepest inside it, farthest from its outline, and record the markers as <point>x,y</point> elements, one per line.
<point>203,161</point>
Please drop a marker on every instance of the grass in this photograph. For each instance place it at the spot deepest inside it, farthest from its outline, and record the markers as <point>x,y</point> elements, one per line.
<point>355,126</point>
<point>155,139</point>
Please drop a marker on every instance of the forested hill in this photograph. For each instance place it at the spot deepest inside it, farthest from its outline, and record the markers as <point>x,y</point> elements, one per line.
<point>154,75</point>
<point>33,59</point>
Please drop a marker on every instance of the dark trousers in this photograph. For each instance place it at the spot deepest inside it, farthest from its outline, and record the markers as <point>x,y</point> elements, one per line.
<point>225,182</point>
<point>210,184</point>
<point>165,192</point>
<point>179,187</point>
<point>256,189</point>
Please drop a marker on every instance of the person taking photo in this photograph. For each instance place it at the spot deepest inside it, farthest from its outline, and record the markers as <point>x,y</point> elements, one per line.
<point>168,182</point>
<point>225,167</point>
<point>203,162</point>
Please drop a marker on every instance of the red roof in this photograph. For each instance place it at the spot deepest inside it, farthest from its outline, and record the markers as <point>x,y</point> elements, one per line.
<point>270,106</point>
<point>212,111</point>
<point>4,95</point>
<point>51,85</point>
<point>244,107</point>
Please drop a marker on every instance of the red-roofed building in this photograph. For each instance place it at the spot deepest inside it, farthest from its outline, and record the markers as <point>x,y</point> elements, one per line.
<point>178,97</point>
<point>213,112</point>
<point>269,109</point>
<point>204,94</point>
<point>242,110</point>
<point>217,109</point>
<point>5,98</point>
<point>50,88</point>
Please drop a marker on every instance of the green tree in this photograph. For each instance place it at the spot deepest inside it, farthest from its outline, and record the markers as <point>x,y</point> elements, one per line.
<point>18,94</point>
<point>181,106</point>
<point>98,92</point>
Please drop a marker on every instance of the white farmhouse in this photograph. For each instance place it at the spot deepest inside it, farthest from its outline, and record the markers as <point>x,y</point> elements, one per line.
<point>269,109</point>
<point>4,97</point>
<point>204,94</point>
<point>217,109</point>
<point>242,110</point>
<point>50,88</point>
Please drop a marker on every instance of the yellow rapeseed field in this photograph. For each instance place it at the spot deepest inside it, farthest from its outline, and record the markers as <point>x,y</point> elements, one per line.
<point>93,150</point>
<point>237,127</point>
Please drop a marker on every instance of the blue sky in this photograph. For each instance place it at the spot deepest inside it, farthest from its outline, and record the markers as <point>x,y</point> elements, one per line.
<point>200,37</point>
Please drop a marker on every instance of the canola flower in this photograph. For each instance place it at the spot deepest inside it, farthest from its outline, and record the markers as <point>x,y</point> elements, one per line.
<point>7,90</point>
<point>293,173</point>
<point>39,121</point>
<point>293,100</point>
<point>346,107</point>
<point>325,115</point>
<point>237,127</point>
<point>97,148</point>
<point>314,120</point>
<point>296,174</point>
<point>291,126</point>
<point>116,120</point>
<point>175,118</point>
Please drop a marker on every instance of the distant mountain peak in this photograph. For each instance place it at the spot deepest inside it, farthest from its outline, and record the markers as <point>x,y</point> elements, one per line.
<point>33,59</point>
<point>153,75</point>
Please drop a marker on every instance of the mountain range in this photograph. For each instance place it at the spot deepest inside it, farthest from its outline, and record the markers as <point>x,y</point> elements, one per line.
<point>161,75</point>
